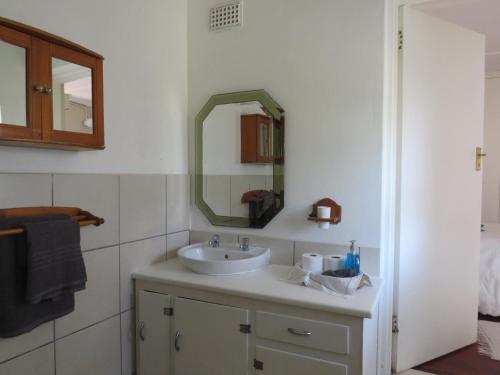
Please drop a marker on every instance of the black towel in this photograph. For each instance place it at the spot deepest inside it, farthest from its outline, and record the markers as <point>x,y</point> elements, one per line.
<point>54,259</point>
<point>17,316</point>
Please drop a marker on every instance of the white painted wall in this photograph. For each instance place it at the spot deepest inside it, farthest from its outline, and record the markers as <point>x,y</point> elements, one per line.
<point>322,61</point>
<point>491,172</point>
<point>145,83</point>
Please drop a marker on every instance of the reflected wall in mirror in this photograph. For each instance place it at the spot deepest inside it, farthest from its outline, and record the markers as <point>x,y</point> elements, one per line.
<point>239,159</point>
<point>13,106</point>
<point>71,97</point>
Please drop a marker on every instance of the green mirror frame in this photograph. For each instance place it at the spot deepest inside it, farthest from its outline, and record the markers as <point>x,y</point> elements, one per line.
<point>278,154</point>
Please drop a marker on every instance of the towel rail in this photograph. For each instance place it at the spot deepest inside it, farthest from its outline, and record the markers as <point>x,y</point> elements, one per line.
<point>84,218</point>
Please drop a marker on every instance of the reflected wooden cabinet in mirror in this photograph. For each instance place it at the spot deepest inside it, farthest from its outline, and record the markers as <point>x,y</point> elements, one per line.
<point>51,90</point>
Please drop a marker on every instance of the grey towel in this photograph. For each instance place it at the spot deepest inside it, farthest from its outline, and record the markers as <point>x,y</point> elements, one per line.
<point>54,262</point>
<point>16,315</point>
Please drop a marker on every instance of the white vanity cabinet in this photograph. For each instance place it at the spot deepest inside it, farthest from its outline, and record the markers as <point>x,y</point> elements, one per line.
<point>255,324</point>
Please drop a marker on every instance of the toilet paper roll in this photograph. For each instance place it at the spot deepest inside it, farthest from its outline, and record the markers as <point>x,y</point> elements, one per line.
<point>312,262</point>
<point>333,262</point>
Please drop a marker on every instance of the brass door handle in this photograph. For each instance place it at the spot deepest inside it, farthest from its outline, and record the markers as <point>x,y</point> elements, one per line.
<point>42,89</point>
<point>479,155</point>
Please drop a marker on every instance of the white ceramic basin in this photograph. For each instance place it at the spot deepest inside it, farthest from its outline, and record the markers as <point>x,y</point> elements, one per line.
<point>225,260</point>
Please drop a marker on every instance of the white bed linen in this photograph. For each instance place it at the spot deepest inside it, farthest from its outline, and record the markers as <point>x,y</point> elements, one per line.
<point>489,285</point>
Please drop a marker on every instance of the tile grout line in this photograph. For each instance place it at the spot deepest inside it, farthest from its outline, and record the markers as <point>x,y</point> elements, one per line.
<point>26,352</point>
<point>120,273</point>
<point>89,326</point>
<point>54,321</point>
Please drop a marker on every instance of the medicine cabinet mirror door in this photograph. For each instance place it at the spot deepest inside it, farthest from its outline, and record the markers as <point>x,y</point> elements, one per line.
<point>75,112</point>
<point>239,159</point>
<point>16,97</point>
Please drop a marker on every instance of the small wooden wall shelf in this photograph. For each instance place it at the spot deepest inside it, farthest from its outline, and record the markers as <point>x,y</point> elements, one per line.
<point>84,218</point>
<point>335,215</point>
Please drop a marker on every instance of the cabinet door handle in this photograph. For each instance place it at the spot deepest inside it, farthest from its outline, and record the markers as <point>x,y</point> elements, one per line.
<point>38,88</point>
<point>142,327</point>
<point>47,90</point>
<point>176,342</point>
<point>299,332</point>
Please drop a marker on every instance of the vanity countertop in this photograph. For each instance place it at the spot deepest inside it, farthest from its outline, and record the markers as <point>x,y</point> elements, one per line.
<point>267,284</point>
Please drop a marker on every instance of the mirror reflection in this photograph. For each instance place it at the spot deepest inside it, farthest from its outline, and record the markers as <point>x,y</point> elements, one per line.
<point>12,85</point>
<point>71,97</point>
<point>242,163</point>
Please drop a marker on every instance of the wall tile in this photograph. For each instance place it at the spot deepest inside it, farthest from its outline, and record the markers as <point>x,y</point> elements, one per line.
<point>281,250</point>
<point>142,207</point>
<point>39,362</point>
<point>370,257</point>
<point>175,241</point>
<point>97,194</point>
<point>95,350</point>
<point>239,185</point>
<point>128,342</point>
<point>14,346</point>
<point>200,236</point>
<point>24,190</point>
<point>100,300</point>
<point>134,256</point>
<point>218,194</point>
<point>178,209</point>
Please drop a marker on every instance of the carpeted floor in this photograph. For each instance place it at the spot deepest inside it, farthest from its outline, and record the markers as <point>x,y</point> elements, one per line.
<point>465,361</point>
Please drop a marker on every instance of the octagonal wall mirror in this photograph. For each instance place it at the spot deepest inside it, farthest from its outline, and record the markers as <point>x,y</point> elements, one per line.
<point>239,178</point>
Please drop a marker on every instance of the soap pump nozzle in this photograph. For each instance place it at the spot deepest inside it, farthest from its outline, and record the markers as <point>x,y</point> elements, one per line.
<point>352,247</point>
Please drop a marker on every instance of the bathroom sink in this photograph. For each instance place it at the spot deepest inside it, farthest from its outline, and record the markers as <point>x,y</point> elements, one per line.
<point>227,259</point>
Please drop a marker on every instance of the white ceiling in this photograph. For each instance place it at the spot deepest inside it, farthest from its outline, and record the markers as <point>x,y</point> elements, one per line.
<point>482,16</point>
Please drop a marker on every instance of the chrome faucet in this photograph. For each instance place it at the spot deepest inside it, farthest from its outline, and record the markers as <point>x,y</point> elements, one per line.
<point>245,244</point>
<point>215,241</point>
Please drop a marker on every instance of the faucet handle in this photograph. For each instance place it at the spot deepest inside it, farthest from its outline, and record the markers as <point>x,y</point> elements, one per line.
<point>214,242</point>
<point>245,243</point>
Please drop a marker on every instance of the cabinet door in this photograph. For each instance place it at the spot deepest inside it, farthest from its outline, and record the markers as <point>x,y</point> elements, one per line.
<point>277,362</point>
<point>208,339</point>
<point>74,113</point>
<point>18,96</point>
<point>153,334</point>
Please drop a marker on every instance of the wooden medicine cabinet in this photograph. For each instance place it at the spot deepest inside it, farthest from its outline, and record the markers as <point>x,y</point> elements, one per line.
<point>51,90</point>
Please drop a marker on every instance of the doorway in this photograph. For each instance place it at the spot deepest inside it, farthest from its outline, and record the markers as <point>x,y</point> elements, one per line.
<point>483,17</point>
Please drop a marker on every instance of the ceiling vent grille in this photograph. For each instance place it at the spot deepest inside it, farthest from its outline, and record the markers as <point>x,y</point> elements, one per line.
<point>227,15</point>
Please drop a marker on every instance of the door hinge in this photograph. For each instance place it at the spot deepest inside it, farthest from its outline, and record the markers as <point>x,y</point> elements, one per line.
<point>245,328</point>
<point>168,311</point>
<point>395,324</point>
<point>400,40</point>
<point>258,365</point>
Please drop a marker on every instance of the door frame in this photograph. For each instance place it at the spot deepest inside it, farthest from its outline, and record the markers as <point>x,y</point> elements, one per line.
<point>390,178</point>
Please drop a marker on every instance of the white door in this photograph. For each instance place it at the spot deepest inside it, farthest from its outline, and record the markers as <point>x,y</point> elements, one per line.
<point>441,123</point>
<point>153,334</point>
<point>208,339</point>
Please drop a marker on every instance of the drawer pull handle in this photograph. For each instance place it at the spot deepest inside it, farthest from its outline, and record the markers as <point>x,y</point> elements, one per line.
<point>299,332</point>
<point>176,342</point>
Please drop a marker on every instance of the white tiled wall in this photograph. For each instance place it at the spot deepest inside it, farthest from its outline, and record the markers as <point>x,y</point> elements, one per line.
<point>147,219</point>
<point>146,215</point>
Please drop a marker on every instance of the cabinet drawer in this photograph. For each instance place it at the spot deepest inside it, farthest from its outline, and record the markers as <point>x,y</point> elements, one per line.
<point>304,332</point>
<point>278,362</point>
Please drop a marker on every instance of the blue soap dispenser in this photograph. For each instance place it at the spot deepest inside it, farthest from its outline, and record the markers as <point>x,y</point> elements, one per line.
<point>352,261</point>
